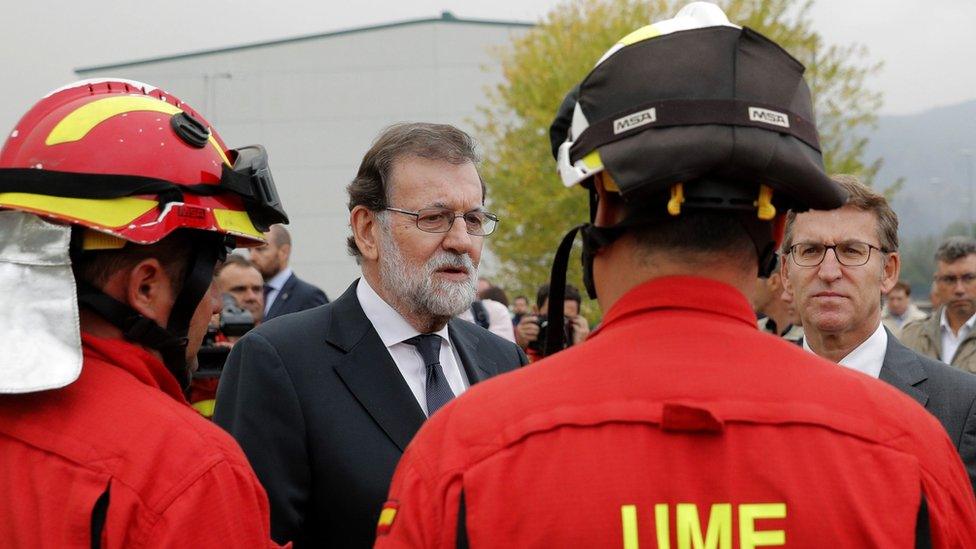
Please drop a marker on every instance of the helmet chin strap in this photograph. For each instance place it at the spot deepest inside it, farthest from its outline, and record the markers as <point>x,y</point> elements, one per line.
<point>761,233</point>
<point>171,341</point>
<point>137,328</point>
<point>594,238</point>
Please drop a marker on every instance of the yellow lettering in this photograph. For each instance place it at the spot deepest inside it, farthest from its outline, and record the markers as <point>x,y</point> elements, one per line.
<point>628,516</point>
<point>718,535</point>
<point>749,513</point>
<point>662,525</point>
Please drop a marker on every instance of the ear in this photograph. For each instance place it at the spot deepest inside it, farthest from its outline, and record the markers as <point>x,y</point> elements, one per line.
<point>148,289</point>
<point>609,208</point>
<point>889,272</point>
<point>284,252</point>
<point>779,231</point>
<point>784,278</point>
<point>365,229</point>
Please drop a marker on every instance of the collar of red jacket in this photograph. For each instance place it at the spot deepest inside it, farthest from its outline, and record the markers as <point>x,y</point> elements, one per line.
<point>681,292</point>
<point>135,360</point>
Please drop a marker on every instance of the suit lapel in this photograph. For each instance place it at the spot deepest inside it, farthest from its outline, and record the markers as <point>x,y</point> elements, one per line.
<point>934,333</point>
<point>477,366</point>
<point>368,371</point>
<point>902,369</point>
<point>283,296</point>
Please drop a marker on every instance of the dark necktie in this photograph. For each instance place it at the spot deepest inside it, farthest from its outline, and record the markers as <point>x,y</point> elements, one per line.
<point>437,389</point>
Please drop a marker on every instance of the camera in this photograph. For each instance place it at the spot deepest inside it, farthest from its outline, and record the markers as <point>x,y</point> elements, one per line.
<point>539,345</point>
<point>235,321</point>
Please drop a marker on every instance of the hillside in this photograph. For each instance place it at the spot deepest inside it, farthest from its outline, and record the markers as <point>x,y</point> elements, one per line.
<point>929,151</point>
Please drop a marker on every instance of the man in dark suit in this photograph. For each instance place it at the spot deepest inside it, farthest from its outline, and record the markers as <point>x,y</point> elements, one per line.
<point>948,393</point>
<point>325,401</point>
<point>283,291</point>
<point>839,264</point>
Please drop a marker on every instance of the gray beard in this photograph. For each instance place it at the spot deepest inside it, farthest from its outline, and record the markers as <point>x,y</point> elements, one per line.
<point>416,289</point>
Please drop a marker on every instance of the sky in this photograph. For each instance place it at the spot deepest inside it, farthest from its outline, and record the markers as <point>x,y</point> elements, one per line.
<point>927,46</point>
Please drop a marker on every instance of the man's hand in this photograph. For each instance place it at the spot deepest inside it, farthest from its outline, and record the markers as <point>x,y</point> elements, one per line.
<point>527,331</point>
<point>581,329</point>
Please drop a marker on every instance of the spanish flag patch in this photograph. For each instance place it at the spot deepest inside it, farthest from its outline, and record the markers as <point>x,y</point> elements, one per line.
<point>387,516</point>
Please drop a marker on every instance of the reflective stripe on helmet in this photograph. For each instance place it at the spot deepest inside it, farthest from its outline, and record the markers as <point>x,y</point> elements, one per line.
<point>113,213</point>
<point>79,122</point>
<point>127,217</point>
<point>236,223</point>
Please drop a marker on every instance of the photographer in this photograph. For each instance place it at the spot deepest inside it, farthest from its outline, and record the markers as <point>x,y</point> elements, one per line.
<point>225,328</point>
<point>239,277</point>
<point>530,331</point>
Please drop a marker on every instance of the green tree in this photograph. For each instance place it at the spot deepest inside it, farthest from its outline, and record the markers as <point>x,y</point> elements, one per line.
<point>539,67</point>
<point>918,264</point>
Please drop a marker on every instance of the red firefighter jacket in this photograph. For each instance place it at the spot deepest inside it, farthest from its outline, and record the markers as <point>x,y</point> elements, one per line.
<point>678,424</point>
<point>122,435</point>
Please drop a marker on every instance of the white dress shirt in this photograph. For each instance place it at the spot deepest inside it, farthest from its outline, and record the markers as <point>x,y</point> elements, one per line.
<point>499,320</point>
<point>276,283</point>
<point>951,341</point>
<point>868,357</point>
<point>393,329</point>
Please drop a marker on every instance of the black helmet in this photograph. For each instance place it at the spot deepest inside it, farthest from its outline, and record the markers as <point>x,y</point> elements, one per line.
<point>691,98</point>
<point>692,113</point>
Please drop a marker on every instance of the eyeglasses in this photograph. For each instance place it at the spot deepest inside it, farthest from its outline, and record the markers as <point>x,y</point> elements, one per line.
<point>440,220</point>
<point>849,254</point>
<point>950,280</point>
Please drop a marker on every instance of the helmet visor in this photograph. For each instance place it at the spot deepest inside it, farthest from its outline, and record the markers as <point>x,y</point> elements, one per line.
<point>250,177</point>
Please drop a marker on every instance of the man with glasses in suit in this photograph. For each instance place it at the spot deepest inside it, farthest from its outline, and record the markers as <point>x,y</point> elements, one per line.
<point>324,401</point>
<point>837,264</point>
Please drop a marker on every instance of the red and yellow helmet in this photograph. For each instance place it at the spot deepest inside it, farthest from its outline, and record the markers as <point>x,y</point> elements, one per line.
<point>129,160</point>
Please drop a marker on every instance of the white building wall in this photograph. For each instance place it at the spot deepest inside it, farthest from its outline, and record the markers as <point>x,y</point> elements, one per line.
<point>316,104</point>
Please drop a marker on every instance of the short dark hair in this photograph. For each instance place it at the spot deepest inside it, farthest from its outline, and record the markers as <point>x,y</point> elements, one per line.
<point>955,248</point>
<point>234,259</point>
<point>495,293</point>
<point>96,267</point>
<point>863,198</point>
<point>278,235</point>
<point>572,294</point>
<point>698,233</point>
<point>371,187</point>
<point>903,286</point>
